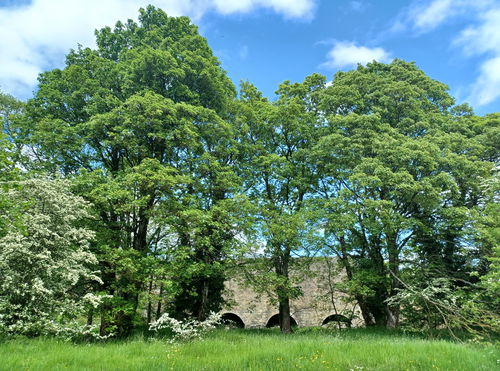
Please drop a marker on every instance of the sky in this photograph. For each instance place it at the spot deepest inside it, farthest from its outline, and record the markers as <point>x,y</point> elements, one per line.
<point>269,41</point>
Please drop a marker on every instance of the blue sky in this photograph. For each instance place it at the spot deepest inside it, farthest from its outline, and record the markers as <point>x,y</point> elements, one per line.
<point>269,41</point>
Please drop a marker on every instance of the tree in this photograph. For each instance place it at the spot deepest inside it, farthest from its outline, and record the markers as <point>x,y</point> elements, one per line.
<point>140,122</point>
<point>380,164</point>
<point>398,176</point>
<point>470,305</point>
<point>8,155</point>
<point>46,267</point>
<point>487,222</point>
<point>276,138</point>
<point>9,106</point>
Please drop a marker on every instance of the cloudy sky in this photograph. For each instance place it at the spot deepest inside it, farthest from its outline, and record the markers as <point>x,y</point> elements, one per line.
<point>268,41</point>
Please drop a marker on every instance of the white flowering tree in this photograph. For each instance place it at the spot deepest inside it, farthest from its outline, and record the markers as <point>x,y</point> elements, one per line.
<point>46,267</point>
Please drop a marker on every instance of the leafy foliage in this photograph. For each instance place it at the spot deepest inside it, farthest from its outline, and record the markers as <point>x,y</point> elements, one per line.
<point>45,262</point>
<point>140,122</point>
<point>400,173</point>
<point>276,139</point>
<point>184,181</point>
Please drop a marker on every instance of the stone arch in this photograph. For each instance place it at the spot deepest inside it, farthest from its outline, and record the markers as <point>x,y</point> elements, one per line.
<point>338,318</point>
<point>233,320</point>
<point>275,321</point>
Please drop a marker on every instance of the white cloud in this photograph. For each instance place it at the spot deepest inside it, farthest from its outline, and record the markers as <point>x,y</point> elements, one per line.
<point>480,37</point>
<point>430,16</point>
<point>348,54</point>
<point>36,36</point>
<point>426,16</point>
<point>486,88</point>
<point>484,39</point>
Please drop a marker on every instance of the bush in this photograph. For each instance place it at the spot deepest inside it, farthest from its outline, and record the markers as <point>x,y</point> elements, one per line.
<point>46,267</point>
<point>185,330</point>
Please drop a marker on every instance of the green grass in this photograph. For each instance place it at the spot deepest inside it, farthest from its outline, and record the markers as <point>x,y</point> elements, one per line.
<point>308,349</point>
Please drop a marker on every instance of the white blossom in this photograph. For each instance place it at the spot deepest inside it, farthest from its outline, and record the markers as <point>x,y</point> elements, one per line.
<point>185,330</point>
<point>46,267</point>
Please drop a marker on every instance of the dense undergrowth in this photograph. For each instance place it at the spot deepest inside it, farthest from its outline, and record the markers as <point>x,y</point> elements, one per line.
<point>307,349</point>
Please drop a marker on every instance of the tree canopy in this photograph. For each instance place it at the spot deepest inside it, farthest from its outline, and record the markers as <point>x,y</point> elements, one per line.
<point>138,175</point>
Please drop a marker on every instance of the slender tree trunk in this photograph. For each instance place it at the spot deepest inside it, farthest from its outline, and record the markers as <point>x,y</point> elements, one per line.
<point>363,305</point>
<point>202,312</point>
<point>392,316</point>
<point>141,232</point>
<point>158,306</point>
<point>284,315</point>
<point>393,310</point>
<point>106,320</point>
<point>108,273</point>
<point>281,269</point>
<point>90,317</point>
<point>108,278</point>
<point>150,303</point>
<point>331,289</point>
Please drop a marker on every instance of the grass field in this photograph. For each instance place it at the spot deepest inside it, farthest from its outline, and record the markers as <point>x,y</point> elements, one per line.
<point>307,349</point>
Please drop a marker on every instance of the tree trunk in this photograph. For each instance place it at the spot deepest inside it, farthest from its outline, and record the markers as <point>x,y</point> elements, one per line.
<point>124,319</point>
<point>281,269</point>
<point>376,302</point>
<point>150,303</point>
<point>363,305</point>
<point>284,315</point>
<point>378,309</point>
<point>141,232</point>
<point>105,325</point>
<point>158,306</point>
<point>392,316</point>
<point>331,287</point>
<point>108,278</point>
<point>365,311</point>
<point>202,312</point>
<point>90,317</point>
<point>392,311</point>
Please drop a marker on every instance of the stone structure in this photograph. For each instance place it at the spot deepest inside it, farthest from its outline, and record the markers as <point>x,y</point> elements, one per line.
<point>319,305</point>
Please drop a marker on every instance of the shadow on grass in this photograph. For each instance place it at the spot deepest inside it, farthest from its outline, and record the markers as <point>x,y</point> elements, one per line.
<point>350,333</point>
<point>142,334</point>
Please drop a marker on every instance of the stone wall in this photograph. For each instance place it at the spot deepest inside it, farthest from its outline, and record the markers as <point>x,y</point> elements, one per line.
<point>320,299</point>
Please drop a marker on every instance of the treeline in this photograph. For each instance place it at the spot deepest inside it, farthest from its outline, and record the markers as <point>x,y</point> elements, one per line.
<point>137,176</point>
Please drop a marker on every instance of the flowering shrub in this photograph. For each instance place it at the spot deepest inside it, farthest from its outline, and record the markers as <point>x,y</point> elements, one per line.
<point>185,330</point>
<point>46,267</point>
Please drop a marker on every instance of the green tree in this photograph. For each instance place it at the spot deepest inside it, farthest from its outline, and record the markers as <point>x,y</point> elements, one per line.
<point>276,140</point>
<point>8,155</point>
<point>9,106</point>
<point>140,121</point>
<point>399,175</point>
<point>488,239</point>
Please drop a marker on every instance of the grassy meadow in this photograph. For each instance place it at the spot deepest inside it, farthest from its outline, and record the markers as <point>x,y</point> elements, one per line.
<point>307,349</point>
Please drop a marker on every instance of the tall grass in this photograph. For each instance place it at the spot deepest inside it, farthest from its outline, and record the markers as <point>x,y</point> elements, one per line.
<point>254,350</point>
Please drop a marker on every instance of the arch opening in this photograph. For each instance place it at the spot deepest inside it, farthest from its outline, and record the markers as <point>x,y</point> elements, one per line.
<point>274,321</point>
<point>232,320</point>
<point>339,319</point>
